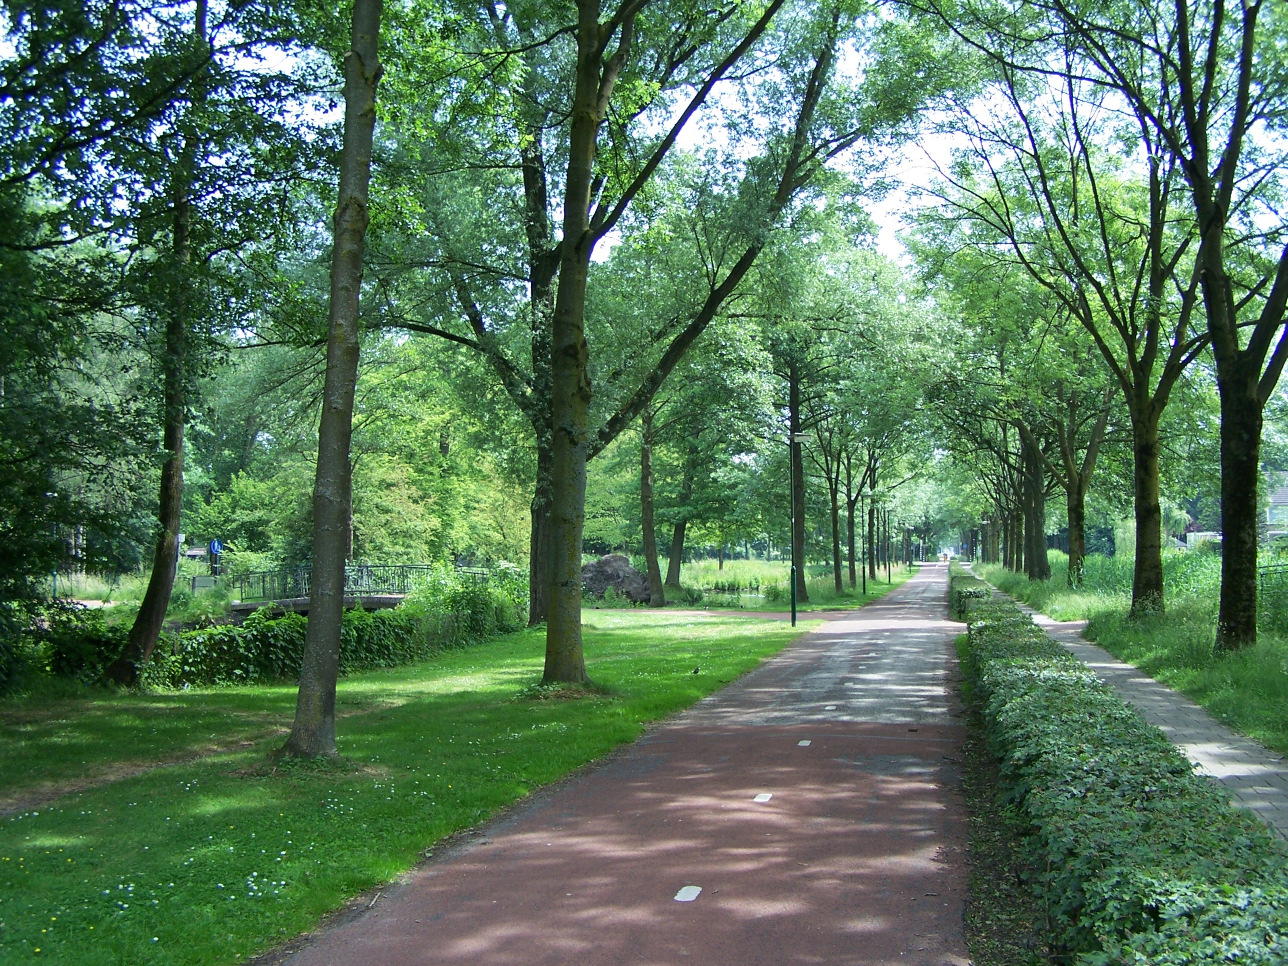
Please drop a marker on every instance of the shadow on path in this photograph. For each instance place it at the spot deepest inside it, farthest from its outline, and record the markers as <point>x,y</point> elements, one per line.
<point>809,813</point>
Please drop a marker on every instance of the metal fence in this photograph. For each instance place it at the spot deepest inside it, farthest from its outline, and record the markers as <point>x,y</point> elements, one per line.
<point>1272,596</point>
<point>360,580</point>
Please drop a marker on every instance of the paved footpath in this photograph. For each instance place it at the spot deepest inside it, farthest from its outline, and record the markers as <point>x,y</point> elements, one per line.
<point>1255,777</point>
<point>809,813</point>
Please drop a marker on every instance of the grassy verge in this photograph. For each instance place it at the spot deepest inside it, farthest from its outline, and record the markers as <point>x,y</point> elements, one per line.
<point>215,859</point>
<point>1054,597</point>
<point>822,594</point>
<point>1248,691</point>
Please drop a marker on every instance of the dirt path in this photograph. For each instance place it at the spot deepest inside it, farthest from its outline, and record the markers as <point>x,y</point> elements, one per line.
<point>809,813</point>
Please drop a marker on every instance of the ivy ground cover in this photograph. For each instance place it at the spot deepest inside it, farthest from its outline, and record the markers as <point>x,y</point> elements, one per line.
<point>1145,861</point>
<point>1247,690</point>
<point>214,859</point>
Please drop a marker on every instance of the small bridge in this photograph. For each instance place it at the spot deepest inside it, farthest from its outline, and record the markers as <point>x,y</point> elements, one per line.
<point>369,586</point>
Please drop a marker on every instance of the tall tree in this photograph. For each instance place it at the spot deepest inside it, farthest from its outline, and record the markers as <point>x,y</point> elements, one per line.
<point>1009,323</point>
<point>132,124</point>
<point>313,732</point>
<point>1209,81</point>
<point>1104,240</point>
<point>822,120</point>
<point>178,311</point>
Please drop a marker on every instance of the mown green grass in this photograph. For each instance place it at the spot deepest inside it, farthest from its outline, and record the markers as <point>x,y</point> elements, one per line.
<point>218,858</point>
<point>706,574</point>
<point>1247,690</point>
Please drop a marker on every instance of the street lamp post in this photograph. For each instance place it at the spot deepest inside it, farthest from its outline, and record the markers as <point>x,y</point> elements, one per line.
<point>793,441</point>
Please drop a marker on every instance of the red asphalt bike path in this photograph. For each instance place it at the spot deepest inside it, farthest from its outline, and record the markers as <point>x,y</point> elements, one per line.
<point>809,812</point>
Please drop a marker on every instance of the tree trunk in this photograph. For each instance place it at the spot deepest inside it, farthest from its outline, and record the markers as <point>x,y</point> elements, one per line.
<point>1037,564</point>
<point>836,541</point>
<point>148,622</point>
<point>797,482</point>
<point>871,541</point>
<point>1241,419</point>
<point>887,545</point>
<point>849,533</point>
<point>889,539</point>
<point>1076,507</point>
<point>720,557</point>
<point>570,377</point>
<point>1076,478</point>
<point>834,496</point>
<point>146,629</point>
<point>539,541</point>
<point>1147,574</point>
<point>677,553</point>
<point>313,732</point>
<point>657,593</point>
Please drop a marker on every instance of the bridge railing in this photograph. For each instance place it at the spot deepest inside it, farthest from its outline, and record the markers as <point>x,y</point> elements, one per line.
<point>361,580</point>
<point>268,585</point>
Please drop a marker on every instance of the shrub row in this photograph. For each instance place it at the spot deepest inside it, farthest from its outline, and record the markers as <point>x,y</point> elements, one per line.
<point>1146,862</point>
<point>82,644</point>
<point>10,658</point>
<point>965,590</point>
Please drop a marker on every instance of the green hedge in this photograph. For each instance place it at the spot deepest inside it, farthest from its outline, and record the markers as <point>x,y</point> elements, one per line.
<point>11,662</point>
<point>965,590</point>
<point>265,648</point>
<point>1146,862</point>
<point>81,644</point>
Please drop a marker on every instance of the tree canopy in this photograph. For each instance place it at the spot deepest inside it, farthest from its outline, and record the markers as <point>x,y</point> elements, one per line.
<point>615,257</point>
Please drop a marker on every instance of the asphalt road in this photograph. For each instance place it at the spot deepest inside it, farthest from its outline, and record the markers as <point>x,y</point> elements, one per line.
<point>809,813</point>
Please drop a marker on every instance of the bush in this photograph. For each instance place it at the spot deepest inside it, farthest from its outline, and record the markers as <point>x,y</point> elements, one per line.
<point>1147,862</point>
<point>450,611</point>
<point>11,657</point>
<point>965,591</point>
<point>79,643</point>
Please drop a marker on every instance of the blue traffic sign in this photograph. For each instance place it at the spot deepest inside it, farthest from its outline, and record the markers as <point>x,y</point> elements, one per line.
<point>216,547</point>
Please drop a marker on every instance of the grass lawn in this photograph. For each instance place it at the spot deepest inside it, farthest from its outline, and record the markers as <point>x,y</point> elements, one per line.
<point>1247,691</point>
<point>218,857</point>
<point>704,574</point>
